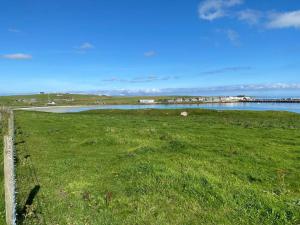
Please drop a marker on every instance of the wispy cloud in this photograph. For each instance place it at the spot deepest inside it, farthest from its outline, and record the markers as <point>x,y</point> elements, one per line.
<point>284,20</point>
<point>214,9</point>
<point>232,35</point>
<point>260,89</point>
<point>142,79</point>
<point>227,69</point>
<point>86,46</point>
<point>150,79</point>
<point>13,30</point>
<point>250,16</point>
<point>130,92</point>
<point>150,53</point>
<point>257,87</point>
<point>17,56</point>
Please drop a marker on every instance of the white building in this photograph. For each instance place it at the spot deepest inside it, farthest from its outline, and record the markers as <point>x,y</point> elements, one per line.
<point>147,101</point>
<point>51,103</point>
<point>171,101</point>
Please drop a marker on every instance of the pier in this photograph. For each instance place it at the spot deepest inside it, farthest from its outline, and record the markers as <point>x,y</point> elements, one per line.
<point>284,100</point>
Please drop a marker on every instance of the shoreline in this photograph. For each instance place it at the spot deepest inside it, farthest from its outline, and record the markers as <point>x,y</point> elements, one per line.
<point>252,106</point>
<point>125,104</point>
<point>128,104</point>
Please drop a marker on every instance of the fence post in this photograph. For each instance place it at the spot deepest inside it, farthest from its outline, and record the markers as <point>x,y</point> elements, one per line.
<point>11,126</point>
<point>9,173</point>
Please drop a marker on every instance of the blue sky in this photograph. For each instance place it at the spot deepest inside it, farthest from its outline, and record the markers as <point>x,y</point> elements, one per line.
<point>150,46</point>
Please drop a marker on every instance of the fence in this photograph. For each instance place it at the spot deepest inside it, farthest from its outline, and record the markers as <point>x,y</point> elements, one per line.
<point>7,118</point>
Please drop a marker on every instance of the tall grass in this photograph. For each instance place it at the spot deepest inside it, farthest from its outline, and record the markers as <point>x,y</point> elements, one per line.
<point>4,114</point>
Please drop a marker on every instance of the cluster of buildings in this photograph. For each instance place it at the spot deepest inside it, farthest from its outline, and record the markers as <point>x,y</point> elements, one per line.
<point>147,101</point>
<point>52,103</point>
<point>53,99</point>
<point>31,101</point>
<point>213,99</point>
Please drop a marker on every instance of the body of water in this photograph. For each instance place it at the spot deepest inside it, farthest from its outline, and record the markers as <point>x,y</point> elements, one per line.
<point>290,107</point>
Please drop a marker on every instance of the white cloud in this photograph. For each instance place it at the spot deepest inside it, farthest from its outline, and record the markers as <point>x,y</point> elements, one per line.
<point>134,92</point>
<point>213,90</point>
<point>214,9</point>
<point>150,53</point>
<point>141,79</point>
<point>17,56</point>
<point>13,30</point>
<point>86,46</point>
<point>227,69</point>
<point>232,35</point>
<point>267,86</point>
<point>284,20</point>
<point>250,16</point>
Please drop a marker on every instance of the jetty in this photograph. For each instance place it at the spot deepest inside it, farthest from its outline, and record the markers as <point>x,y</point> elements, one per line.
<point>272,100</point>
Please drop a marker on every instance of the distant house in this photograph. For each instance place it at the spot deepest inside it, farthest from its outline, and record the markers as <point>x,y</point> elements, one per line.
<point>225,99</point>
<point>147,101</point>
<point>51,103</point>
<point>234,98</point>
<point>201,99</point>
<point>179,100</point>
<point>170,101</point>
<point>247,99</point>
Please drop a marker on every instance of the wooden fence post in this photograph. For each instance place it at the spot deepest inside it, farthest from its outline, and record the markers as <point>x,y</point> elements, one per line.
<point>9,173</point>
<point>11,126</point>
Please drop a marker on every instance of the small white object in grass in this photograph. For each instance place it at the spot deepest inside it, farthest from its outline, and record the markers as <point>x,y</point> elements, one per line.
<point>184,114</point>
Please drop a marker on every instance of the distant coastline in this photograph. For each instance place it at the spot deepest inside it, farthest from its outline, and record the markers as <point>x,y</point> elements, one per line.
<point>289,107</point>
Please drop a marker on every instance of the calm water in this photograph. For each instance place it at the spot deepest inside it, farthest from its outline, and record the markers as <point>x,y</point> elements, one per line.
<point>291,107</point>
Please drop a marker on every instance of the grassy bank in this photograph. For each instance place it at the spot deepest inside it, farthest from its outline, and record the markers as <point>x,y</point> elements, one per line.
<point>2,206</point>
<point>155,167</point>
<point>3,131</point>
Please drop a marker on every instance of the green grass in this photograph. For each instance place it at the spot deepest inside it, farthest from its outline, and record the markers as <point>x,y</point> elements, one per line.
<point>3,131</point>
<point>69,99</point>
<point>155,167</point>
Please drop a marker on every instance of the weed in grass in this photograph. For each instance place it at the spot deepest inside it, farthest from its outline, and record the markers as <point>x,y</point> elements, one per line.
<point>281,173</point>
<point>108,198</point>
<point>253,179</point>
<point>86,196</point>
<point>176,146</point>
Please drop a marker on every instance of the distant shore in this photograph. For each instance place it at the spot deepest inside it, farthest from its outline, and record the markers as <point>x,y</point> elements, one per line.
<point>289,107</point>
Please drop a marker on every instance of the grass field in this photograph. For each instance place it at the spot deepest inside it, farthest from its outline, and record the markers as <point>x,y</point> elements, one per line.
<point>69,99</point>
<point>155,167</point>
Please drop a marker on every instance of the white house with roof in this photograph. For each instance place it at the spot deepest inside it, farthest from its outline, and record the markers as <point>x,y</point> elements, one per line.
<point>147,101</point>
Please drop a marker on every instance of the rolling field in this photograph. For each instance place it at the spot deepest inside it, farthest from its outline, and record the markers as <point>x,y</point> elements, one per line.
<point>156,167</point>
<point>70,99</point>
